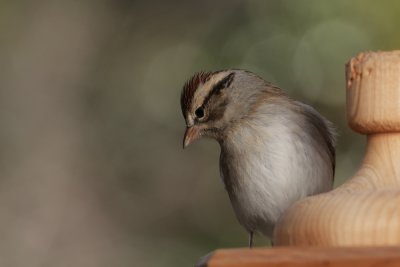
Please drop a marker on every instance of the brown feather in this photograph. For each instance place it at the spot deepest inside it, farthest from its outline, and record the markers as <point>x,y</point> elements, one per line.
<point>190,88</point>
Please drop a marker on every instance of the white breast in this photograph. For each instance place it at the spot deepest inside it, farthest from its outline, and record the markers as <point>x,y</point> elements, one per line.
<point>268,163</point>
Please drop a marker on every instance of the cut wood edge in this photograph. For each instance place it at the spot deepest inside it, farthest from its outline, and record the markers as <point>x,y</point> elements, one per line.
<point>303,256</point>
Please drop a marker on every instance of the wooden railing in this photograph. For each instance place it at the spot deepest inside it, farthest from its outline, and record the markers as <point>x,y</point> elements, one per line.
<point>353,224</point>
<point>304,257</point>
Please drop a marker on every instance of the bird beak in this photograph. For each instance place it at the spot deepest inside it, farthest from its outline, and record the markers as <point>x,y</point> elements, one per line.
<point>191,134</point>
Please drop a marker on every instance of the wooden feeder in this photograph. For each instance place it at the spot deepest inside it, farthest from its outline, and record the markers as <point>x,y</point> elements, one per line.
<point>365,210</point>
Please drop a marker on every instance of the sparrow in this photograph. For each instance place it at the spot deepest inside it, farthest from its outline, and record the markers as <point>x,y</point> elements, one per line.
<point>274,150</point>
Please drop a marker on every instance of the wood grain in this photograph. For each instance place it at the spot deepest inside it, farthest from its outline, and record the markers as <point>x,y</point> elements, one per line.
<point>373,92</point>
<point>365,210</point>
<point>305,257</point>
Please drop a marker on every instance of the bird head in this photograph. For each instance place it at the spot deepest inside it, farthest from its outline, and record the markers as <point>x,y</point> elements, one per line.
<point>204,102</point>
<point>213,102</point>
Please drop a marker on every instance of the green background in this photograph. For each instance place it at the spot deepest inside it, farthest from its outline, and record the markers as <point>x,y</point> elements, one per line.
<point>91,162</point>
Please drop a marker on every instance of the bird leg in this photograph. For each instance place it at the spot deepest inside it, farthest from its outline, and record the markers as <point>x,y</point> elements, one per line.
<point>251,239</point>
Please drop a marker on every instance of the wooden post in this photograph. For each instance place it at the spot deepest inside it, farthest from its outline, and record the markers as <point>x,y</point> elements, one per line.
<point>364,211</point>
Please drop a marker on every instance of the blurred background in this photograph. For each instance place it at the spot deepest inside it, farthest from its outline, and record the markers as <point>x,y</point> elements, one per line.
<point>92,171</point>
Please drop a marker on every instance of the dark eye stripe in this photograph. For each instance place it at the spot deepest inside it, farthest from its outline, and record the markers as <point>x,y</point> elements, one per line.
<point>224,83</point>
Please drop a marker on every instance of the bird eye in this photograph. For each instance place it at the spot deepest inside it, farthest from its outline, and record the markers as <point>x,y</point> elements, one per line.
<point>199,112</point>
